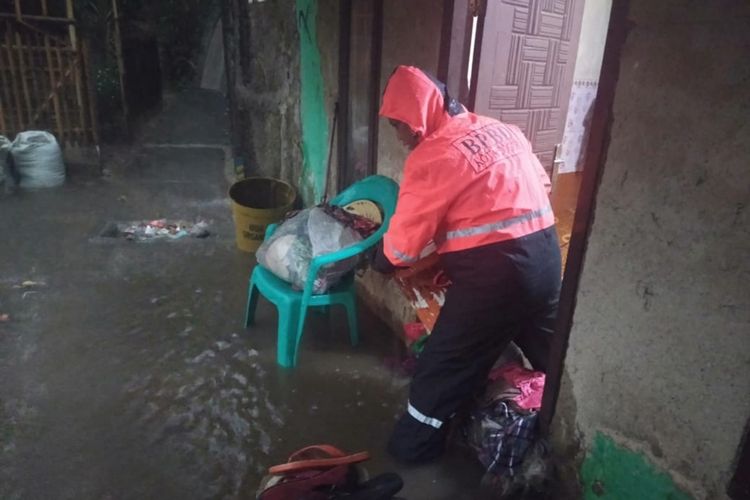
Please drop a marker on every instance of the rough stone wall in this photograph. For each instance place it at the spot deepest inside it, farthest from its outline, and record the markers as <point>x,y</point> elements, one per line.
<point>660,349</point>
<point>262,50</point>
<point>281,82</point>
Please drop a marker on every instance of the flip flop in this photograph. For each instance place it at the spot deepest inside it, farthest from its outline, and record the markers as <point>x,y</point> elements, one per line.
<point>318,457</point>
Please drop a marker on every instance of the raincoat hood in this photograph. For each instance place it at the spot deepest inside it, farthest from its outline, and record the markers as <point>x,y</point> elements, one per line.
<point>414,98</point>
<point>470,181</point>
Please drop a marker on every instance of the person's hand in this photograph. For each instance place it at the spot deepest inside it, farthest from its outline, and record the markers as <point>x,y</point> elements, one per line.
<point>379,262</point>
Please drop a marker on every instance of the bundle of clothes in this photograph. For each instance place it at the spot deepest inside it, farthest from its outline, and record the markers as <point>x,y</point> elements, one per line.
<point>310,233</point>
<point>502,430</point>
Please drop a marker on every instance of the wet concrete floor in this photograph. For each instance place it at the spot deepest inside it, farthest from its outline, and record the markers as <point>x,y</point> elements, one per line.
<point>126,373</point>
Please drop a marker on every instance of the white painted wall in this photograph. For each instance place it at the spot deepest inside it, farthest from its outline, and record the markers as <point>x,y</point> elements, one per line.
<point>585,80</point>
<point>593,36</point>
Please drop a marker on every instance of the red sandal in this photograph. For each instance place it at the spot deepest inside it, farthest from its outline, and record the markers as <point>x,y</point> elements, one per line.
<point>310,474</point>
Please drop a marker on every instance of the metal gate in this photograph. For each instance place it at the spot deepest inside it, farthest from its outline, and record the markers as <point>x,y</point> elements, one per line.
<point>45,81</point>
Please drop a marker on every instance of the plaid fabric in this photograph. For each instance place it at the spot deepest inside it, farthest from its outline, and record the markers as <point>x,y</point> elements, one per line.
<point>501,436</point>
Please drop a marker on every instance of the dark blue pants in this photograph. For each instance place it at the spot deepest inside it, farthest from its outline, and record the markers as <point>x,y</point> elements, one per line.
<point>503,292</point>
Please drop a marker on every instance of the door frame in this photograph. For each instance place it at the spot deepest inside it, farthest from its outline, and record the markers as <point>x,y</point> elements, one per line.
<point>739,485</point>
<point>343,126</point>
<point>596,155</point>
<point>596,152</point>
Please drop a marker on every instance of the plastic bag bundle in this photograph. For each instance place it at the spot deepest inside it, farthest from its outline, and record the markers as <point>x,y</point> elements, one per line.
<point>309,234</point>
<point>37,160</point>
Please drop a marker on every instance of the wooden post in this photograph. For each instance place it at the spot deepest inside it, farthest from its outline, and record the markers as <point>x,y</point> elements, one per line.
<point>31,17</point>
<point>92,97</point>
<point>345,30</point>
<point>37,95</point>
<point>3,125</point>
<point>70,14</point>
<point>74,45</point>
<point>376,61</point>
<point>73,39</point>
<point>51,76</point>
<point>7,125</point>
<point>79,94</point>
<point>120,65</point>
<point>13,79</point>
<point>22,76</point>
<point>59,87</point>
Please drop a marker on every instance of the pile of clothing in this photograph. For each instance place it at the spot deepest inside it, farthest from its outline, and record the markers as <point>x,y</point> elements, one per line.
<point>502,430</point>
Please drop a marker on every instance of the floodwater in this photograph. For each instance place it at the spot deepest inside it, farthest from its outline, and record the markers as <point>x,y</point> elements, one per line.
<point>125,369</point>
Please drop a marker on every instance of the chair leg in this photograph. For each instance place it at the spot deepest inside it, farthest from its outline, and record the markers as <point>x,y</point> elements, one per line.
<point>300,330</point>
<point>252,303</point>
<point>287,340</point>
<point>351,314</point>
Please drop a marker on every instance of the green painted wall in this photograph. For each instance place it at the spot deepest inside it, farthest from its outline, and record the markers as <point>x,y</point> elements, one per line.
<point>312,105</point>
<point>613,472</point>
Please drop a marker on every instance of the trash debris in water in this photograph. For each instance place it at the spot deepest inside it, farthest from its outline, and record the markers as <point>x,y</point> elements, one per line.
<point>4,318</point>
<point>30,284</point>
<point>159,229</point>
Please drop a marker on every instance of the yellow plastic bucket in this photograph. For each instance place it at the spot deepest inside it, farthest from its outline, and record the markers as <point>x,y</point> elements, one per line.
<point>256,203</point>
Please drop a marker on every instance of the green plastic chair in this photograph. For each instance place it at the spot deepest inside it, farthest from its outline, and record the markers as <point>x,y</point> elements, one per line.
<point>293,304</point>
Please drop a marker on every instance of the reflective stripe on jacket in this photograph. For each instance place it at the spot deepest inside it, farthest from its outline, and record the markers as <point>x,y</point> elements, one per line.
<point>471,181</point>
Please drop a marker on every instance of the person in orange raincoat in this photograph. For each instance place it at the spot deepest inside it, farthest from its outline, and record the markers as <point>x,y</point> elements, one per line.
<point>473,187</point>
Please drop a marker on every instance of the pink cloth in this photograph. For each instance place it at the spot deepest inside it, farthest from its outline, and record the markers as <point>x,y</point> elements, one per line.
<point>529,382</point>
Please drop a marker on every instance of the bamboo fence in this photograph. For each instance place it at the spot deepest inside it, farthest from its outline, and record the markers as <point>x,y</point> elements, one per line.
<point>45,77</point>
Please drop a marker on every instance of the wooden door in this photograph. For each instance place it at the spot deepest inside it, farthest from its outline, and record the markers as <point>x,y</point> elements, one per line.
<point>525,62</point>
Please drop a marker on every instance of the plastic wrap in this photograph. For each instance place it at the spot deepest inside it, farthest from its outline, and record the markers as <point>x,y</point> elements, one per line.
<point>309,234</point>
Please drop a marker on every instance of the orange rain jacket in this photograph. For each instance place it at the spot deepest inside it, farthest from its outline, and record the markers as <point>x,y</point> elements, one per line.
<point>471,180</point>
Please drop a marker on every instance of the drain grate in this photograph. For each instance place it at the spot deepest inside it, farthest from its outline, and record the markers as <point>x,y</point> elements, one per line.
<point>155,230</point>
